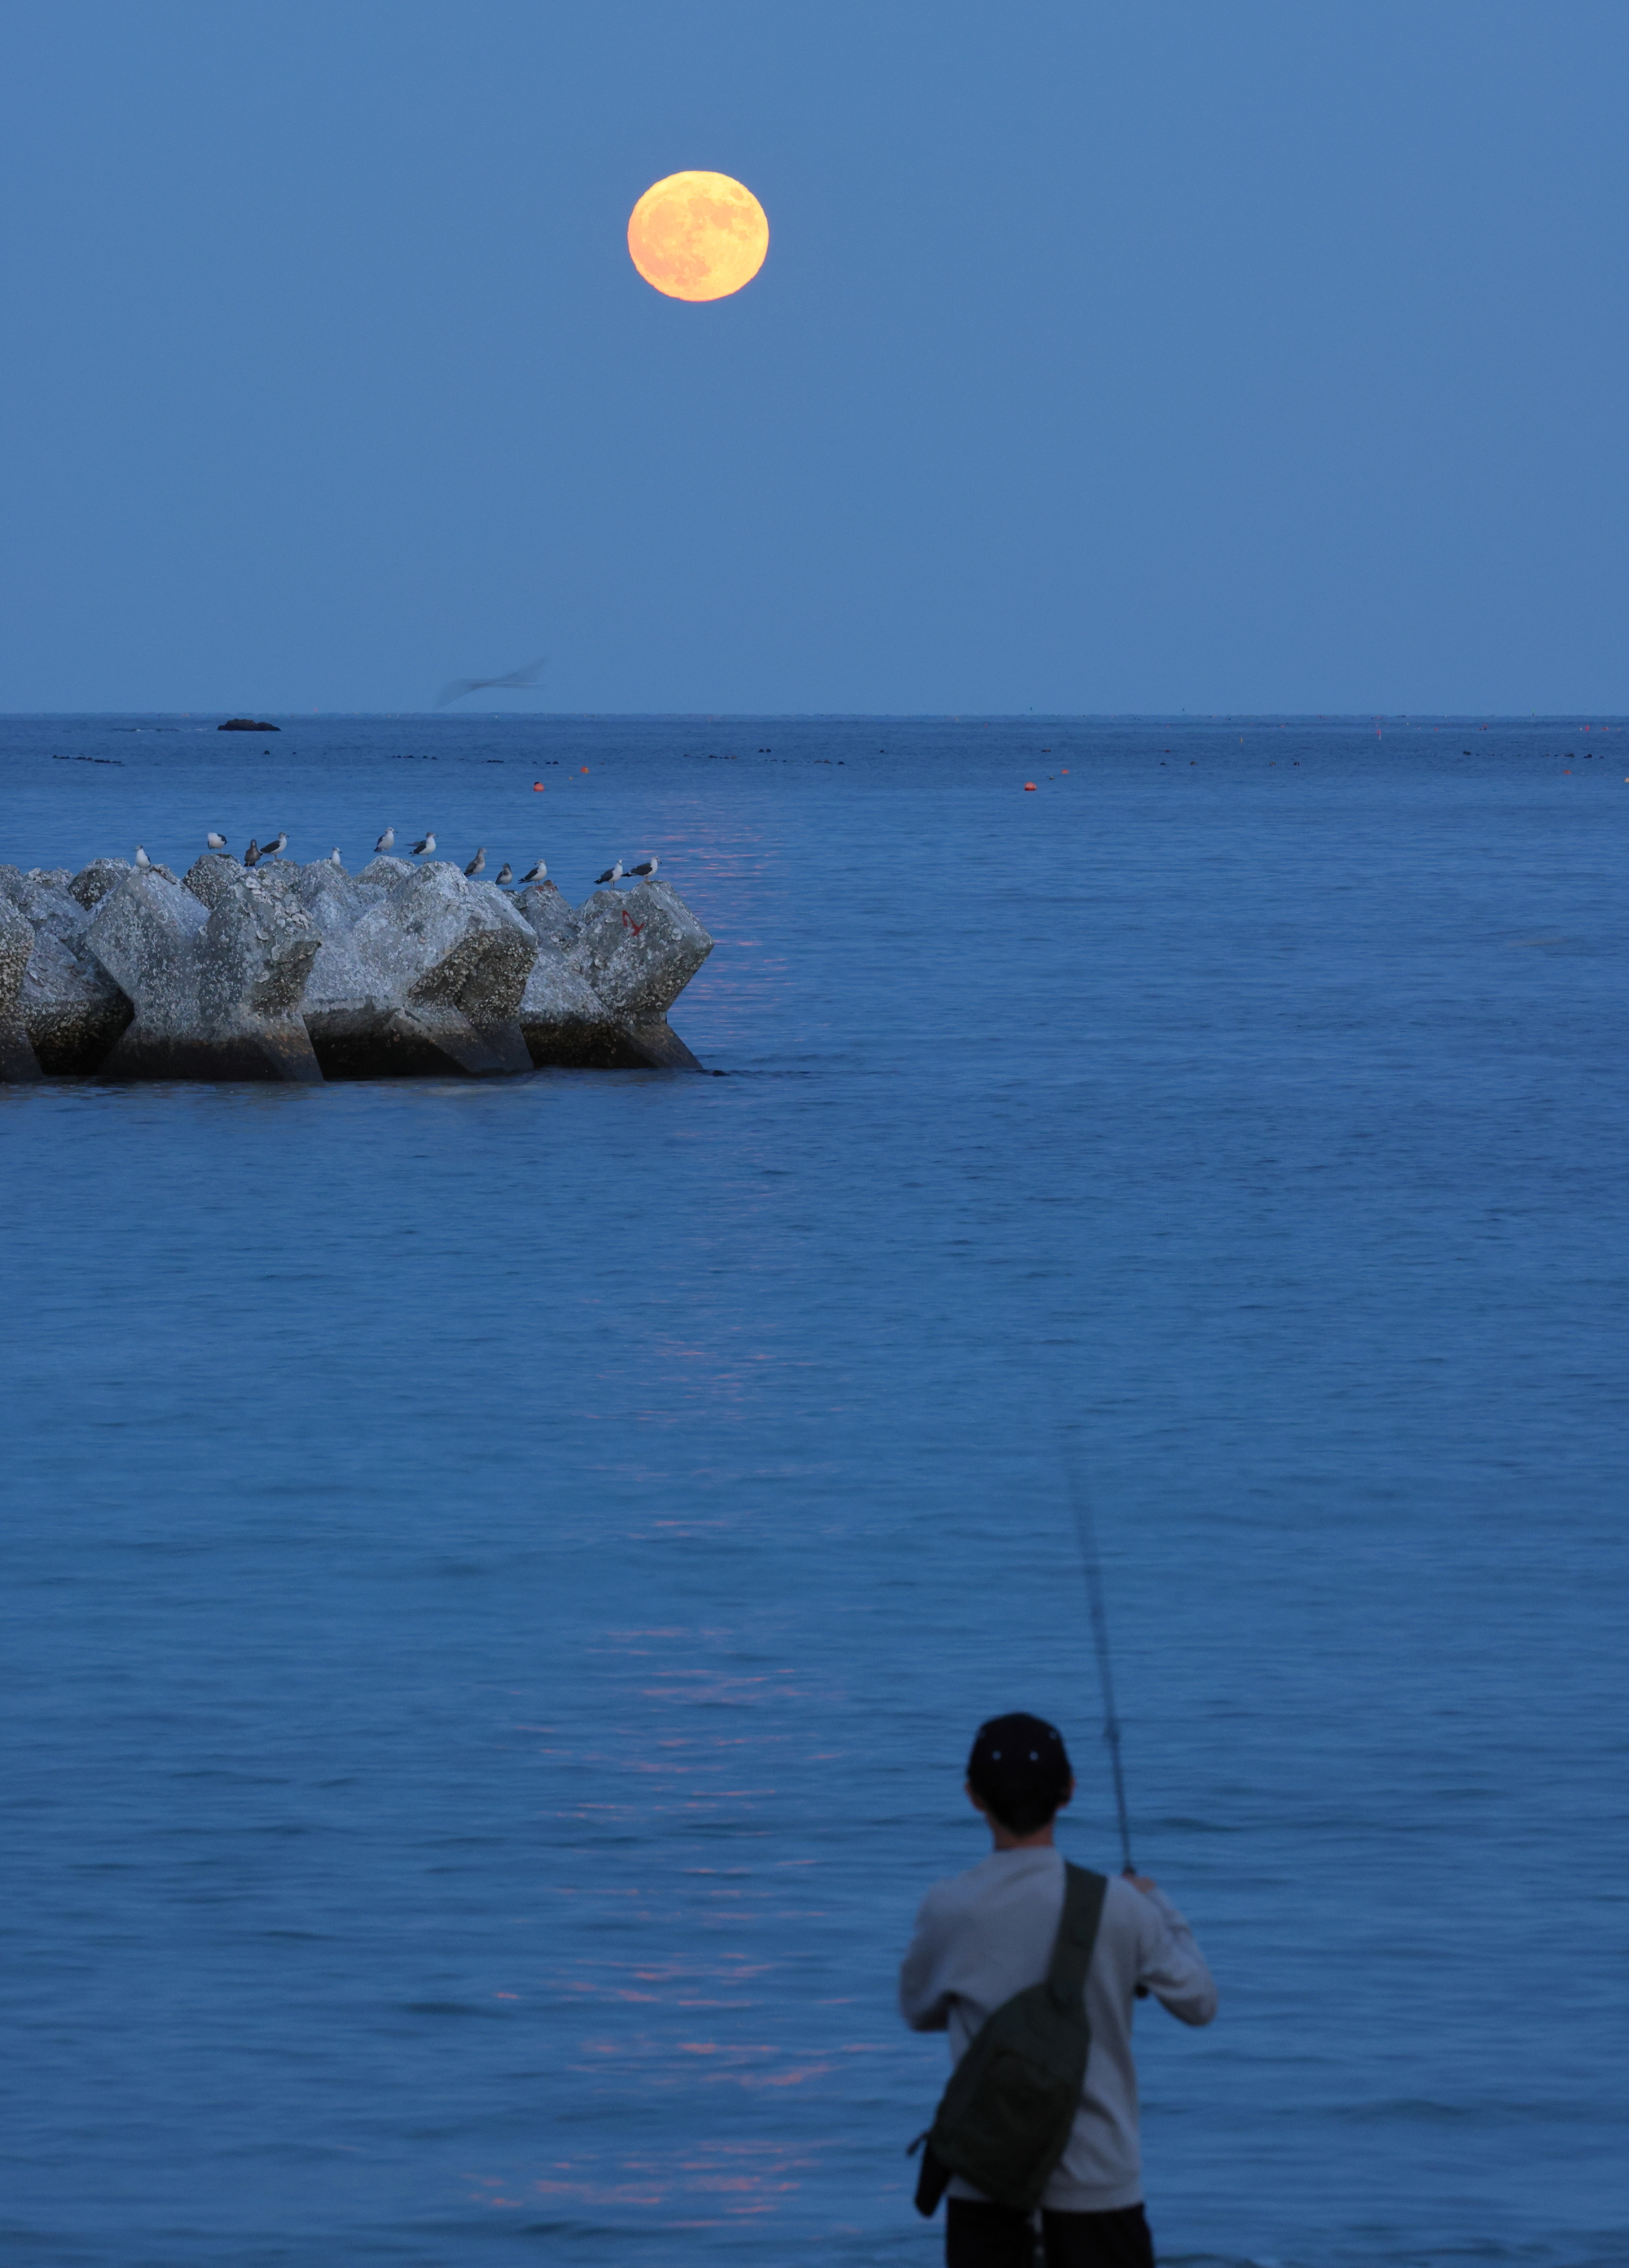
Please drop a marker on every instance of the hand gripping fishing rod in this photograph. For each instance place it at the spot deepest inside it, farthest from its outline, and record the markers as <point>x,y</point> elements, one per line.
<point>1094,1572</point>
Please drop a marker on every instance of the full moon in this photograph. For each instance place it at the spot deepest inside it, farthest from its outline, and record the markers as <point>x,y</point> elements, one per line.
<point>698,236</point>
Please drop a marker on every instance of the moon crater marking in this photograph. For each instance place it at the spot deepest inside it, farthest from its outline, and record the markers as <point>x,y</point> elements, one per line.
<point>698,236</point>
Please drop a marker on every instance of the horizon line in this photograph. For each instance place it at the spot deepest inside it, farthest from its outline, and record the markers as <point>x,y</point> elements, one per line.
<point>871,716</point>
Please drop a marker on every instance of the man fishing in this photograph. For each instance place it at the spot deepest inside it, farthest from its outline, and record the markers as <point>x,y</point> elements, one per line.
<point>1043,2103</point>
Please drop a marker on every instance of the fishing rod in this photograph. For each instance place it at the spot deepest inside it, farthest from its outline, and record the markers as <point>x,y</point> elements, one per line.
<point>1093,1569</point>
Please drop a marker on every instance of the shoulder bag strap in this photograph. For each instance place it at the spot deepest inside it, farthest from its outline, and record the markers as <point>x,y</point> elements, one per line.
<point>1084,1893</point>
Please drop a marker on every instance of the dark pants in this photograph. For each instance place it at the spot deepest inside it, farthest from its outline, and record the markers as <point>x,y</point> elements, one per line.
<point>994,2236</point>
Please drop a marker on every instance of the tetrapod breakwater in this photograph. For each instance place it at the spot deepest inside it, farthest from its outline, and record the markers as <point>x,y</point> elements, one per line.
<point>285,971</point>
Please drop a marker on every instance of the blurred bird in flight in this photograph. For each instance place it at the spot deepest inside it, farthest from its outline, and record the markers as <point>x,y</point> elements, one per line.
<point>516,680</point>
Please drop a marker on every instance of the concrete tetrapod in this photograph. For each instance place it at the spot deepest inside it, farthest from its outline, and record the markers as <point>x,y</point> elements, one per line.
<point>562,1018</point>
<point>286,971</point>
<point>92,883</point>
<point>216,994</point>
<point>71,1009</point>
<point>637,949</point>
<point>645,945</point>
<point>428,978</point>
<point>17,1060</point>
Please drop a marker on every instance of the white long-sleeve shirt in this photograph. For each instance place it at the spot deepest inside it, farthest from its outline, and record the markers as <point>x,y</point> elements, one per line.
<point>985,1935</point>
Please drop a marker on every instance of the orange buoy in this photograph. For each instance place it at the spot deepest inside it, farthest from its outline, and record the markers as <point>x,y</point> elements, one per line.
<point>537,787</point>
<point>1029,787</point>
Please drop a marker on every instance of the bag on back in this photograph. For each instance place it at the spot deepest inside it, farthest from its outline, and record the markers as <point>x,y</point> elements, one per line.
<point>1005,2119</point>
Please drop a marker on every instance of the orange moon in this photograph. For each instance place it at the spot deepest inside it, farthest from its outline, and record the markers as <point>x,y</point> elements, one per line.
<point>698,236</point>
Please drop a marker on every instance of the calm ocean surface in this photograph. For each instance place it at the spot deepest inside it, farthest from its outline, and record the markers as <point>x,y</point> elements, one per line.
<point>500,1578</point>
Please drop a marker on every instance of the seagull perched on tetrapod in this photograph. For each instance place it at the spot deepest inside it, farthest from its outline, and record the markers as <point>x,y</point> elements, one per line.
<point>250,857</point>
<point>506,875</point>
<point>272,848</point>
<point>539,873</point>
<point>143,863</point>
<point>334,857</point>
<point>476,864</point>
<point>612,874</point>
<point>648,867</point>
<point>386,840</point>
<point>422,850</point>
<point>216,842</point>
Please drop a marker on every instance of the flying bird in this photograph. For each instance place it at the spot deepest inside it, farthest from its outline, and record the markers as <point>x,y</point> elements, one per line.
<point>250,857</point>
<point>478,863</point>
<point>422,850</point>
<point>506,874</point>
<point>516,680</point>
<point>539,873</point>
<point>612,874</point>
<point>272,848</point>
<point>648,867</point>
<point>216,842</point>
<point>143,861</point>
<point>386,840</point>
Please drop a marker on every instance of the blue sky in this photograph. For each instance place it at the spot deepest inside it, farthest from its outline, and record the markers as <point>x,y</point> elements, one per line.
<point>1119,357</point>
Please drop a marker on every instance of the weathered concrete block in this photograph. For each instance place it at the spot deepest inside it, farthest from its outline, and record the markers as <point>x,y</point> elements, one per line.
<point>71,1009</point>
<point>567,1025</point>
<point>563,1021</point>
<point>386,871</point>
<point>216,993</point>
<point>209,877</point>
<point>657,1047</point>
<point>636,950</point>
<point>284,970</point>
<point>17,1060</point>
<point>429,979</point>
<point>639,948</point>
<point>549,910</point>
<point>92,883</point>
<point>335,900</point>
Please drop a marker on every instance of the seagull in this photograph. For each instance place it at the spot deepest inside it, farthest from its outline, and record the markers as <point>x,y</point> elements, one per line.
<point>334,857</point>
<point>505,874</point>
<point>539,873</point>
<point>517,679</point>
<point>216,842</point>
<point>272,848</point>
<point>478,862</point>
<point>420,849</point>
<point>386,840</point>
<point>250,857</point>
<point>143,861</point>
<point>648,867</point>
<point>612,874</point>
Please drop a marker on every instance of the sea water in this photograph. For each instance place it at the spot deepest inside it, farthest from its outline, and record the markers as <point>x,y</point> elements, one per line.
<point>501,1578</point>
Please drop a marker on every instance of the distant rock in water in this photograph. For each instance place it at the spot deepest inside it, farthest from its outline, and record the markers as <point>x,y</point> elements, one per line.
<point>246,724</point>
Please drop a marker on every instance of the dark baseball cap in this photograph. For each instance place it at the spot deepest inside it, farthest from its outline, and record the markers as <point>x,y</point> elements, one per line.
<point>1021,1769</point>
